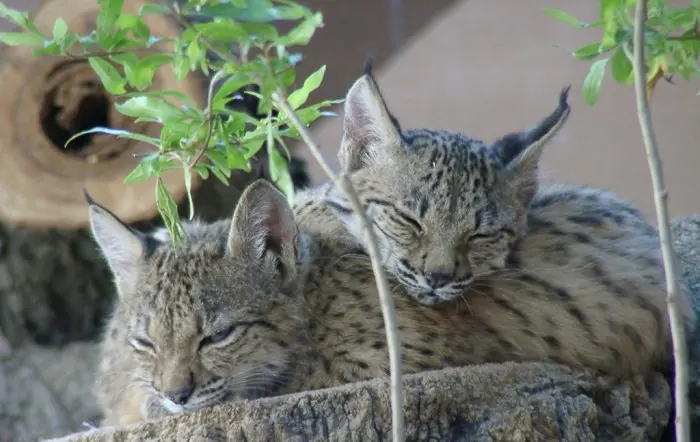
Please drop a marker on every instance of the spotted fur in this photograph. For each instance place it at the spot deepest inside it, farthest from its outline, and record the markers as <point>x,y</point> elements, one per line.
<point>457,218</point>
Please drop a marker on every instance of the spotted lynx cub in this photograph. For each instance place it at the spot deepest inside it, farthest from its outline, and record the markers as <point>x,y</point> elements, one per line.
<point>275,302</point>
<point>457,218</point>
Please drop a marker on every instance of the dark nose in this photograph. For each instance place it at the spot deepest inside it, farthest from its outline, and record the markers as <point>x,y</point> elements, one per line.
<point>437,280</point>
<point>181,395</point>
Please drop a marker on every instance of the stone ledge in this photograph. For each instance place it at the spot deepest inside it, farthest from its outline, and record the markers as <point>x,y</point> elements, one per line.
<point>494,402</point>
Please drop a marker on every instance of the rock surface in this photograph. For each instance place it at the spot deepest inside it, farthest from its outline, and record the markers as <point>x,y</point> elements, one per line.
<point>514,402</point>
<point>46,392</point>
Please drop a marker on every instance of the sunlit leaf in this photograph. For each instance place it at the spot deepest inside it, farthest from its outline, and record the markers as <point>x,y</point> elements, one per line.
<point>60,28</point>
<point>110,77</point>
<point>620,66</point>
<point>299,96</point>
<point>106,19</point>
<point>168,211</point>
<point>153,8</point>
<point>141,172</point>
<point>279,172</point>
<point>148,108</point>
<point>588,51</point>
<point>21,39</point>
<point>593,81</point>
<point>117,133</point>
<point>302,33</point>
<point>563,17</point>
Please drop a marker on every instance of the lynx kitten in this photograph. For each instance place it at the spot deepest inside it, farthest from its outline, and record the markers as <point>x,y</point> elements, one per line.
<point>457,218</point>
<point>272,303</point>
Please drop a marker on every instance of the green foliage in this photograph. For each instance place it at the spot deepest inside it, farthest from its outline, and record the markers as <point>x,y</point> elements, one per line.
<point>234,42</point>
<point>671,39</point>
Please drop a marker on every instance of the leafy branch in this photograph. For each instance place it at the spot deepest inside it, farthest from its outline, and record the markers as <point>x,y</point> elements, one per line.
<point>671,43</point>
<point>125,54</point>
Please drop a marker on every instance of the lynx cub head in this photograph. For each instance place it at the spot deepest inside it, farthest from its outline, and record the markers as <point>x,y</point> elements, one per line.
<point>218,319</point>
<point>446,208</point>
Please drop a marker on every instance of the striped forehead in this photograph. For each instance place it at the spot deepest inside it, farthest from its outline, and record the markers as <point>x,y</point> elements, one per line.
<point>456,171</point>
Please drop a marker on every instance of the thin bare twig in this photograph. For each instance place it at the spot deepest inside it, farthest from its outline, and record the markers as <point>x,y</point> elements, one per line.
<point>680,354</point>
<point>386,299</point>
<point>208,118</point>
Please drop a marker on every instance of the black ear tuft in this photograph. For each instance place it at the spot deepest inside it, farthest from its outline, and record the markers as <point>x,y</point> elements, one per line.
<point>564,97</point>
<point>88,198</point>
<point>368,65</point>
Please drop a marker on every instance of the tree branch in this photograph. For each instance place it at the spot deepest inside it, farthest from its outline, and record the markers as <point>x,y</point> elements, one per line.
<point>680,354</point>
<point>385,296</point>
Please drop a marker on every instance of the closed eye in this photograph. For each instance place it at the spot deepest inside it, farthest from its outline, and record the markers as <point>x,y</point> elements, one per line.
<point>480,236</point>
<point>142,344</point>
<point>217,337</point>
<point>410,221</point>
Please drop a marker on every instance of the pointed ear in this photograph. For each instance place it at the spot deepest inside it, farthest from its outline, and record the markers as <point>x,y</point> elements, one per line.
<point>520,152</point>
<point>369,129</point>
<point>122,247</point>
<point>263,227</point>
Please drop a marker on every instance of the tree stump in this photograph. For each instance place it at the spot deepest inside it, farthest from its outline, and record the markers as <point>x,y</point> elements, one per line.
<point>55,286</point>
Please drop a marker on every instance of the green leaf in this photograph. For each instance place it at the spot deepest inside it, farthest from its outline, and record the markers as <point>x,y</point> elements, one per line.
<point>302,33</point>
<point>111,79</point>
<point>256,11</point>
<point>202,170</point>
<point>186,99</point>
<point>134,24</point>
<point>260,31</point>
<point>168,211</point>
<point>146,108</point>
<point>217,158</point>
<point>129,61</point>
<point>608,14</point>
<point>279,172</point>
<point>593,81</point>
<point>220,176</point>
<point>181,65</point>
<point>153,8</point>
<point>21,39</point>
<point>228,87</point>
<point>253,146</point>
<point>118,133</point>
<point>146,68</point>
<point>19,18</point>
<point>196,53</point>
<point>60,28</point>
<point>299,96</point>
<point>188,189</point>
<point>223,31</point>
<point>236,160</point>
<point>141,172</point>
<point>588,51</point>
<point>106,19</point>
<point>621,66</point>
<point>564,17</point>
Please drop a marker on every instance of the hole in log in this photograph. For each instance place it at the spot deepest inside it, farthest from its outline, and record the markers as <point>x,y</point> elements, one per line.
<point>75,101</point>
